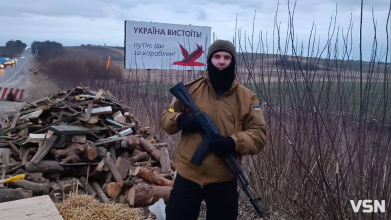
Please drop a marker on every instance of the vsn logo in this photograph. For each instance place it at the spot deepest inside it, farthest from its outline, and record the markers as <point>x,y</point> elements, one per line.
<point>368,207</point>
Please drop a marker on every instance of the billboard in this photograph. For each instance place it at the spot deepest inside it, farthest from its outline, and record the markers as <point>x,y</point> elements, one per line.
<point>151,45</point>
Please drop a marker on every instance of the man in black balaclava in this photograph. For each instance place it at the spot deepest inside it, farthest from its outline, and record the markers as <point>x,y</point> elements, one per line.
<point>221,66</point>
<point>236,113</point>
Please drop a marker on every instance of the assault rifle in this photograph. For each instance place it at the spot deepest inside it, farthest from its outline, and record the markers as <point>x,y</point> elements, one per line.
<point>211,131</point>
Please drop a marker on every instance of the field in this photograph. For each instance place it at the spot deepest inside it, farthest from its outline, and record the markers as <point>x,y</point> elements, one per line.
<point>329,119</point>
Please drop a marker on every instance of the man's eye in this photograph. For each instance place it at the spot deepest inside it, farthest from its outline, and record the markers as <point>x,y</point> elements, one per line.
<point>227,57</point>
<point>217,57</point>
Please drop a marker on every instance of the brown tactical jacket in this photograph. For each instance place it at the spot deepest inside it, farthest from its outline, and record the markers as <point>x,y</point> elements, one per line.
<point>236,113</point>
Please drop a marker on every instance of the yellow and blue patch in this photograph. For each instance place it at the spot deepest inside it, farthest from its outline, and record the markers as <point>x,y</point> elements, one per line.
<point>257,108</point>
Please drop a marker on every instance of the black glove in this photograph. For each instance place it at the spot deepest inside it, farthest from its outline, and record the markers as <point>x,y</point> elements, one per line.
<point>223,146</point>
<point>188,123</point>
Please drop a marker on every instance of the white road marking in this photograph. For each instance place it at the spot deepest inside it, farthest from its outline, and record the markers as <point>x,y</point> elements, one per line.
<point>14,74</point>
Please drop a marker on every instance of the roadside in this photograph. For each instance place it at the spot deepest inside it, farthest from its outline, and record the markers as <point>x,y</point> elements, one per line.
<point>36,87</point>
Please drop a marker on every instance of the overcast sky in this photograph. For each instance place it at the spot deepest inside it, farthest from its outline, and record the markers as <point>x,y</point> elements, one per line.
<point>79,22</point>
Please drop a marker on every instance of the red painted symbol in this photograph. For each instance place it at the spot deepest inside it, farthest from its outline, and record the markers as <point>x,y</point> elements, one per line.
<point>189,59</point>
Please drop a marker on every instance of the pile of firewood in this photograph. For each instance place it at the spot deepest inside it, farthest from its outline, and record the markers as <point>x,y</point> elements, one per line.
<point>83,138</point>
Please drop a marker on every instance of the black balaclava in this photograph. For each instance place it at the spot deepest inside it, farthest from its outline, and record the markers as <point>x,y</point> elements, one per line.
<point>221,80</point>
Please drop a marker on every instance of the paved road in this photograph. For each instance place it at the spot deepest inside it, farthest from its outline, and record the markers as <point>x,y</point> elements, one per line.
<point>10,74</point>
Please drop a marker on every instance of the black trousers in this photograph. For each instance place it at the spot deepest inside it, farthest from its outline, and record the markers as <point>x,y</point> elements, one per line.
<point>186,196</point>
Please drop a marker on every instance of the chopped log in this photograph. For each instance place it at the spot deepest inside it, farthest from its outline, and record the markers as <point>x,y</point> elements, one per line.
<point>26,131</point>
<point>133,170</point>
<point>36,178</point>
<point>64,186</point>
<point>139,157</point>
<point>116,114</point>
<point>148,175</point>
<point>147,194</point>
<point>114,170</point>
<point>158,171</point>
<point>44,149</point>
<point>102,110</point>
<point>93,120</point>
<point>87,187</point>
<point>74,129</point>
<point>90,151</point>
<point>126,132</point>
<point>133,141</point>
<point>5,160</point>
<point>114,157</point>
<point>88,111</point>
<point>118,117</point>
<point>7,195</point>
<point>44,167</point>
<point>114,123</point>
<point>121,119</point>
<point>109,140</point>
<point>106,169</point>
<point>165,160</point>
<point>71,153</point>
<point>15,120</point>
<point>32,115</point>
<point>38,189</point>
<point>101,164</point>
<point>98,94</point>
<point>152,150</point>
<point>130,196</point>
<point>123,166</point>
<point>128,117</point>
<point>25,156</point>
<point>100,192</point>
<point>113,153</point>
<point>22,149</point>
<point>5,156</point>
<point>81,139</point>
<point>112,189</point>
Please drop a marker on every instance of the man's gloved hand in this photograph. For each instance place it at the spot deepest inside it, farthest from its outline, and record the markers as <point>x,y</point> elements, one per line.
<point>188,123</point>
<point>223,146</point>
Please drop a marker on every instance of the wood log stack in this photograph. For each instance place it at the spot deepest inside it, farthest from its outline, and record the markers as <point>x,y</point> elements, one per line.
<point>83,138</point>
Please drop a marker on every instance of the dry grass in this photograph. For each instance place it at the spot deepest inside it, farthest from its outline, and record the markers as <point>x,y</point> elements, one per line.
<point>85,207</point>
